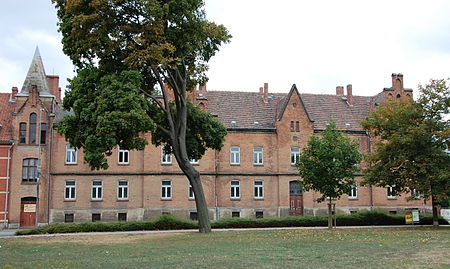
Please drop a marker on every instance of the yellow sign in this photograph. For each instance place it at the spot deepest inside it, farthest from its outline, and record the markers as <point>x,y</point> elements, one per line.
<point>408,217</point>
<point>29,208</point>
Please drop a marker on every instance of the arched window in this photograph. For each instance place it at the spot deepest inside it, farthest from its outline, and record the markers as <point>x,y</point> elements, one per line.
<point>398,96</point>
<point>22,132</point>
<point>32,136</point>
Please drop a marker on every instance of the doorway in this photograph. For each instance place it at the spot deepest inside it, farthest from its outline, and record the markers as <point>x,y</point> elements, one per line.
<point>295,199</point>
<point>28,212</point>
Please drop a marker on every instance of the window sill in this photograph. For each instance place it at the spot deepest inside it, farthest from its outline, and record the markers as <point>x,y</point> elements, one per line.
<point>191,199</point>
<point>258,164</point>
<point>123,164</point>
<point>392,198</point>
<point>235,164</point>
<point>122,200</point>
<point>70,163</point>
<point>235,199</point>
<point>353,199</point>
<point>96,200</point>
<point>29,183</point>
<point>166,199</point>
<point>70,200</point>
<point>166,164</point>
<point>258,199</point>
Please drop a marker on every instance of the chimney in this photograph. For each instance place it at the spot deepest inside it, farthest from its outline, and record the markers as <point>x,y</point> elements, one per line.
<point>266,92</point>
<point>202,90</point>
<point>397,81</point>
<point>339,90</point>
<point>350,94</point>
<point>261,90</point>
<point>14,91</point>
<point>53,83</point>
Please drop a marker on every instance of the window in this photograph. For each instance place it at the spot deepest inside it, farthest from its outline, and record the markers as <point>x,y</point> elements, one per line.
<point>353,194</point>
<point>193,161</point>
<point>22,132</point>
<point>191,192</point>
<point>122,190</point>
<point>165,158</point>
<point>295,155</point>
<point>297,126</point>
<point>29,170</point>
<point>96,217</point>
<point>391,194</point>
<point>122,216</point>
<point>193,215</point>
<point>124,156</point>
<point>393,212</point>
<point>259,189</point>
<point>32,135</point>
<point>43,133</point>
<point>415,194</point>
<point>68,217</point>
<point>69,193</point>
<point>292,126</point>
<point>235,155</point>
<point>235,214</point>
<point>352,212</point>
<point>71,154</point>
<point>97,189</point>
<point>258,155</point>
<point>166,189</point>
<point>235,189</point>
<point>259,214</point>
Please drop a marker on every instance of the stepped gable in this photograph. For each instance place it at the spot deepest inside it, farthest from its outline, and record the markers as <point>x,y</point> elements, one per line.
<point>36,76</point>
<point>244,110</point>
<point>323,107</point>
<point>6,117</point>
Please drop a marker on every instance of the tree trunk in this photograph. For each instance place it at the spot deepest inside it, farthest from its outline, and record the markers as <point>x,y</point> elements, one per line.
<point>204,225</point>
<point>435,212</point>
<point>330,216</point>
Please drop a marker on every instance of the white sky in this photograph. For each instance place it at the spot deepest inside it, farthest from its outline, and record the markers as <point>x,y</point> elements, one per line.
<point>315,44</point>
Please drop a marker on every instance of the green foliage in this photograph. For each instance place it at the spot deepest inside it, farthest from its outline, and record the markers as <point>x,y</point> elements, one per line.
<point>328,163</point>
<point>412,152</point>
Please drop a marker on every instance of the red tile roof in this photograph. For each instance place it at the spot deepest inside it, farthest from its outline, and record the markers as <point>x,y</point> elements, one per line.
<point>6,110</point>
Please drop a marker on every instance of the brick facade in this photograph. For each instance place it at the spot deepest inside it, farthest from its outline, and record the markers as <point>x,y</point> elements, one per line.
<point>273,123</point>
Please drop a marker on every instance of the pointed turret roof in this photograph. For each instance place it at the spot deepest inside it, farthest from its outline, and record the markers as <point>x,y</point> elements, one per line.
<point>36,75</point>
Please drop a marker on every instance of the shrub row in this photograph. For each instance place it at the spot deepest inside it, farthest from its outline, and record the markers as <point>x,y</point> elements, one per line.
<point>168,222</point>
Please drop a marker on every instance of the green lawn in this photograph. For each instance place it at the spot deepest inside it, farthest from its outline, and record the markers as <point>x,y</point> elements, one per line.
<point>357,248</point>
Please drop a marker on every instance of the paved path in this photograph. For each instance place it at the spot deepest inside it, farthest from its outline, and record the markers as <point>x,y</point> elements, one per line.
<point>10,233</point>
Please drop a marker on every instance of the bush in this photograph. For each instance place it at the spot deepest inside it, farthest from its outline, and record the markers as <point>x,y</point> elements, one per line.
<point>169,222</point>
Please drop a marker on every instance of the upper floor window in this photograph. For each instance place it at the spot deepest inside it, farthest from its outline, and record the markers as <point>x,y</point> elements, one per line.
<point>166,158</point>
<point>32,134</point>
<point>123,156</point>
<point>391,193</point>
<point>258,189</point>
<point>295,155</point>
<point>166,189</point>
<point>235,189</point>
<point>29,170</point>
<point>97,189</point>
<point>69,192</point>
<point>71,154</point>
<point>235,155</point>
<point>297,126</point>
<point>292,126</point>
<point>22,132</point>
<point>353,194</point>
<point>122,189</point>
<point>191,192</point>
<point>416,194</point>
<point>193,161</point>
<point>43,135</point>
<point>258,155</point>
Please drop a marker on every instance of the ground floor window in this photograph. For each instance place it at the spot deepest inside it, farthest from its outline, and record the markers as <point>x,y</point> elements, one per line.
<point>96,217</point>
<point>259,214</point>
<point>235,214</point>
<point>122,217</point>
<point>193,215</point>
<point>68,217</point>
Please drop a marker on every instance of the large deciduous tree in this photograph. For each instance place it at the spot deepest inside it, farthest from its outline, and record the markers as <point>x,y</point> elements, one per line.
<point>412,153</point>
<point>125,53</point>
<point>328,165</point>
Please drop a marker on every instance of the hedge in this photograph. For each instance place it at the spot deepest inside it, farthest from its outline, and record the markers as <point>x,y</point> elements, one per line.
<point>169,222</point>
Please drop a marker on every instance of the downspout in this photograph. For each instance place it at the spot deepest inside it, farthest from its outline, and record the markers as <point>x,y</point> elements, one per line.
<point>50,164</point>
<point>369,151</point>
<point>8,168</point>
<point>216,202</point>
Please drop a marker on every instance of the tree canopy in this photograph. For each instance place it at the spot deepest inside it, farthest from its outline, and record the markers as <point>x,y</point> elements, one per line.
<point>135,62</point>
<point>412,152</point>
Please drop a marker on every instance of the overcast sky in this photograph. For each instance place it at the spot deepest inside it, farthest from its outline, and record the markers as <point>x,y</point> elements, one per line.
<point>315,44</point>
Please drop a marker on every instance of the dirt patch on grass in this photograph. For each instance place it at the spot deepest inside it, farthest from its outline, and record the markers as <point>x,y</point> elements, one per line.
<point>97,239</point>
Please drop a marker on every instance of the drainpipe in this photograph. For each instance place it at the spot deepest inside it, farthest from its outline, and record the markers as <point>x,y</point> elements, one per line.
<point>369,146</point>
<point>50,158</point>
<point>216,202</point>
<point>8,168</point>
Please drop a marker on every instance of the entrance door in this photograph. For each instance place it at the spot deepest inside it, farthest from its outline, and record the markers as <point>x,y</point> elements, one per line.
<point>28,212</point>
<point>295,199</point>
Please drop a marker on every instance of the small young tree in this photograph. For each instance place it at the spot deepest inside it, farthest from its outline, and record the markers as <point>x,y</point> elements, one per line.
<point>328,165</point>
<point>412,154</point>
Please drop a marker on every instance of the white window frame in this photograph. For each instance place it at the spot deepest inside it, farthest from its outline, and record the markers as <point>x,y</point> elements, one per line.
<point>165,158</point>
<point>258,189</point>
<point>194,161</point>
<point>97,190</point>
<point>235,189</point>
<point>258,155</point>
<point>353,194</point>
<point>122,189</point>
<point>390,191</point>
<point>166,189</point>
<point>191,194</point>
<point>235,155</point>
<point>125,154</point>
<point>70,192</point>
<point>295,155</point>
<point>71,154</point>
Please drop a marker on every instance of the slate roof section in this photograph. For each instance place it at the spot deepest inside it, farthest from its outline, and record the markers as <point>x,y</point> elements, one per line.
<point>6,117</point>
<point>36,76</point>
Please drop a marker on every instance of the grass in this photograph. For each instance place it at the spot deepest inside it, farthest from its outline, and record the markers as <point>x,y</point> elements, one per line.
<point>412,247</point>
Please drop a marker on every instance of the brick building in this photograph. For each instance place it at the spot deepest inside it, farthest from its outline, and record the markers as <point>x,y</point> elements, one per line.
<point>252,176</point>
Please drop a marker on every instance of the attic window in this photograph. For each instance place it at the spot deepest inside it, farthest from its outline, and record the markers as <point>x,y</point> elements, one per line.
<point>348,125</point>
<point>256,122</point>
<point>200,94</point>
<point>344,98</point>
<point>233,122</point>
<point>294,104</point>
